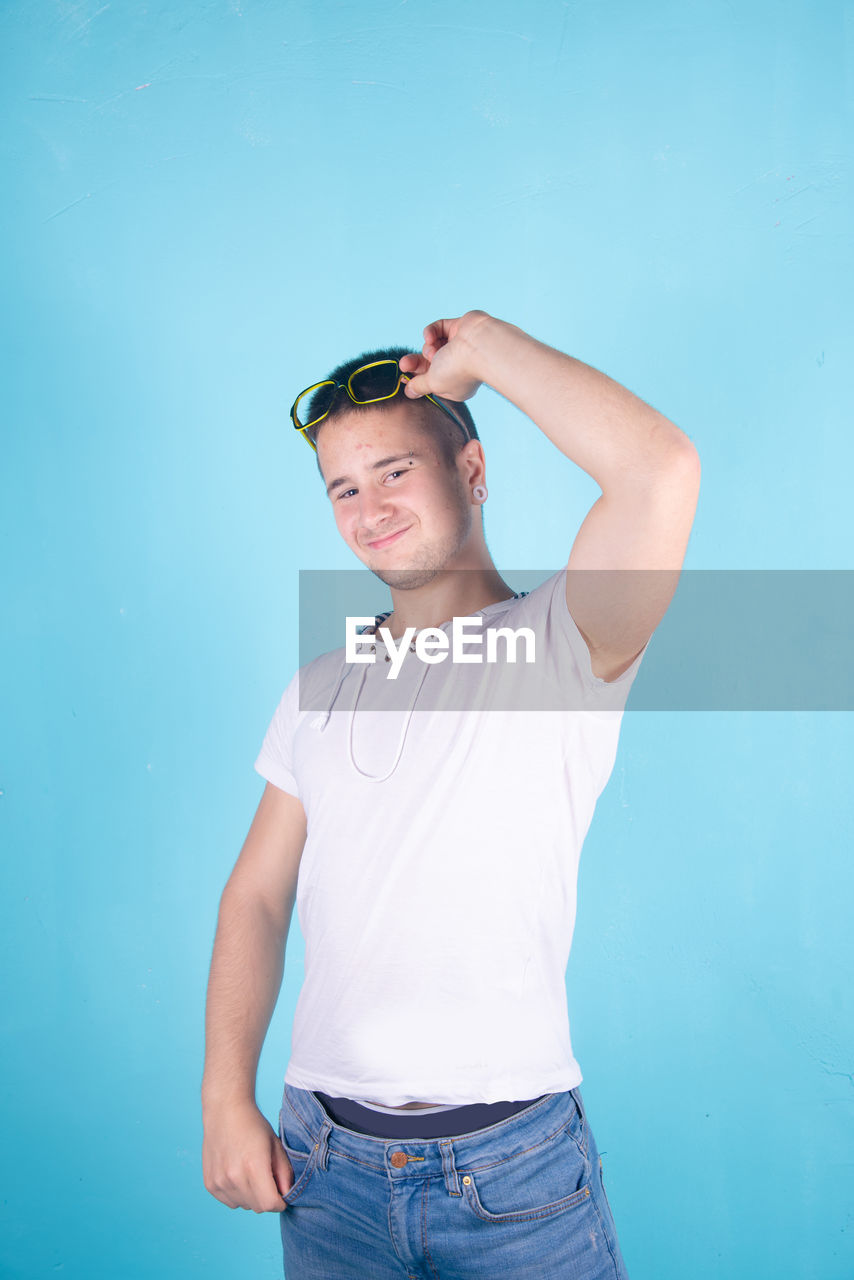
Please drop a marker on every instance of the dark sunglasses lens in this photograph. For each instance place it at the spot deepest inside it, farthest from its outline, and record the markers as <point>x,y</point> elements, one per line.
<point>316,404</point>
<point>375,383</point>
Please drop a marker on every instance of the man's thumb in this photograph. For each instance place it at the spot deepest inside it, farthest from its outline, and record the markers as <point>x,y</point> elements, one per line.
<point>283,1172</point>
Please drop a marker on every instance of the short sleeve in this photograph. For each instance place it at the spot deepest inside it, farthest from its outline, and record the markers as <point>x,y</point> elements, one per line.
<point>275,761</point>
<point>607,694</point>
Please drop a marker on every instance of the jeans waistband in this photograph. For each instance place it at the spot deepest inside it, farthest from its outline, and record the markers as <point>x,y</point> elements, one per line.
<point>406,1157</point>
<point>411,1124</point>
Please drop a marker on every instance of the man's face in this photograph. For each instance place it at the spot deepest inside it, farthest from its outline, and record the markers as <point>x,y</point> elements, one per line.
<point>404,513</point>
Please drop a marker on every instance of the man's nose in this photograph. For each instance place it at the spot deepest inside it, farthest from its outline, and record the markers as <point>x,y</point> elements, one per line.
<point>374,508</point>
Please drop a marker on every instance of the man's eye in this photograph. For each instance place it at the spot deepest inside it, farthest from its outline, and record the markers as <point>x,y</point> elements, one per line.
<point>401,472</point>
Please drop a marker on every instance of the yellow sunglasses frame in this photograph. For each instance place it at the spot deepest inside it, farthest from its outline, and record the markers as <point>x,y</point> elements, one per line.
<point>404,377</point>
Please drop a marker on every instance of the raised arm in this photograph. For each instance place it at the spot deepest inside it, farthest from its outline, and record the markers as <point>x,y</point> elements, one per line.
<point>625,561</point>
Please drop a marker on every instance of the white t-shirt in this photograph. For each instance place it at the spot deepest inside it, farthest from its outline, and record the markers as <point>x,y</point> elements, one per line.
<point>437,886</point>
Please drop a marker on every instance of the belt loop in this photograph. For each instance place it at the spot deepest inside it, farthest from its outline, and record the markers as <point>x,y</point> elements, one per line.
<point>576,1093</point>
<point>449,1168</point>
<point>323,1143</point>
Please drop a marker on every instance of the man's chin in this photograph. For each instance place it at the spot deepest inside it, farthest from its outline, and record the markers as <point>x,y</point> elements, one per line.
<point>405,579</point>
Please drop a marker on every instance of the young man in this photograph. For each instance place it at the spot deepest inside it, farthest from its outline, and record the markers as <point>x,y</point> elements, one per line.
<point>432,1123</point>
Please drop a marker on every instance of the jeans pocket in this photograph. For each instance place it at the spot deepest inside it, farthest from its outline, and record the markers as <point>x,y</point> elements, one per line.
<point>577,1125</point>
<point>604,1192</point>
<point>548,1178</point>
<point>302,1154</point>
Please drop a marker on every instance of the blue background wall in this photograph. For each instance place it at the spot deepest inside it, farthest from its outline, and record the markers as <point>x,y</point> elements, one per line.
<point>206,206</point>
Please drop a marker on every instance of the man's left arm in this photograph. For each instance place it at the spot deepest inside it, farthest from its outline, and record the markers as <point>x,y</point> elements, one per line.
<point>626,558</point>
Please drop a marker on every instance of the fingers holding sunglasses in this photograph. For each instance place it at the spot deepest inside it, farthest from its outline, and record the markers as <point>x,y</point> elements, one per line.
<point>413,363</point>
<point>415,386</point>
<point>464,328</point>
<point>438,334</point>
<point>446,366</point>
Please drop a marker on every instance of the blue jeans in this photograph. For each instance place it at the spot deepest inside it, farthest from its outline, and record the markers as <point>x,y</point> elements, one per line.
<point>520,1199</point>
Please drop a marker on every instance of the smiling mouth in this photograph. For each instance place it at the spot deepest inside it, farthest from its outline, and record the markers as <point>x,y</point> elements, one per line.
<point>386,542</point>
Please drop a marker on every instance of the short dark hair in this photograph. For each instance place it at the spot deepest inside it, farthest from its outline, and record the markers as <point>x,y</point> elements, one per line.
<point>450,438</point>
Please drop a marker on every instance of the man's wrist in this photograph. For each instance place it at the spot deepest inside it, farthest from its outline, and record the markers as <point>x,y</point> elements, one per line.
<point>492,342</point>
<point>219,1097</point>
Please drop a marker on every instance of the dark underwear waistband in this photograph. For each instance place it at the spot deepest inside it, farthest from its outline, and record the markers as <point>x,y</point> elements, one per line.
<point>409,1124</point>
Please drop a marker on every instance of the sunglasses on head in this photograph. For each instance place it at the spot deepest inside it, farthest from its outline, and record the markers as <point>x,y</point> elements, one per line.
<point>379,380</point>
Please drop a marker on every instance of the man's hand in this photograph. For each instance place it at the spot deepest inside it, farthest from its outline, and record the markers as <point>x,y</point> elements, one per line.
<point>448,365</point>
<point>243,1161</point>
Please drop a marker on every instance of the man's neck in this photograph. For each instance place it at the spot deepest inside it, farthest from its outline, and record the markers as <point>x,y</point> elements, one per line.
<point>457,593</point>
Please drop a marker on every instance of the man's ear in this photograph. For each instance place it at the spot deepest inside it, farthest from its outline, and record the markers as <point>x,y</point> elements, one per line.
<point>474,462</point>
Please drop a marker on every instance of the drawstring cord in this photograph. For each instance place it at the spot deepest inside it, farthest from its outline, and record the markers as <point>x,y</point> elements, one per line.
<point>345,671</point>
<point>371,776</point>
